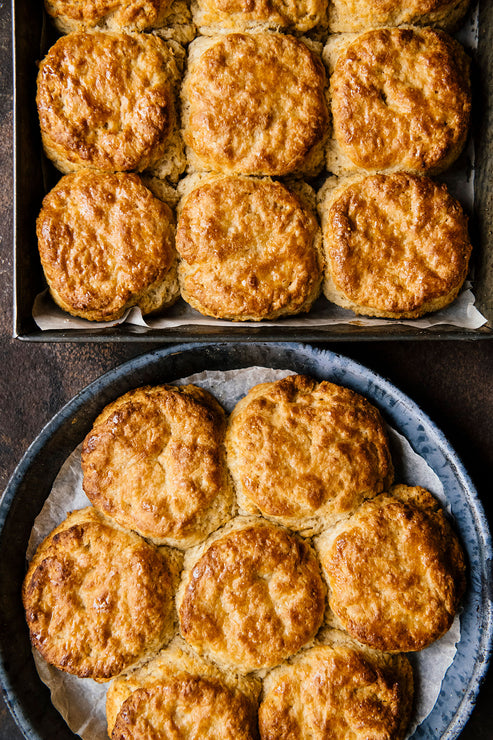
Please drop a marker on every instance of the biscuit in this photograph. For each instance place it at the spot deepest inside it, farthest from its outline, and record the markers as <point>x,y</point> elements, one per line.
<point>86,611</point>
<point>360,15</point>
<point>251,596</point>
<point>293,16</point>
<point>249,250</point>
<point>107,101</point>
<point>337,690</point>
<point>400,99</point>
<point>106,244</point>
<point>179,689</point>
<point>154,461</point>
<point>306,453</point>
<point>254,104</point>
<point>395,571</point>
<point>395,245</point>
<point>114,15</point>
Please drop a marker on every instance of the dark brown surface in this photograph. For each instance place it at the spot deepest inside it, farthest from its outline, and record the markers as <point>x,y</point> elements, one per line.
<point>452,381</point>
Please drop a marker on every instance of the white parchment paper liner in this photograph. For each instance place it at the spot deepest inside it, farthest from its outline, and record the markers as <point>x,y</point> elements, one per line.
<point>82,701</point>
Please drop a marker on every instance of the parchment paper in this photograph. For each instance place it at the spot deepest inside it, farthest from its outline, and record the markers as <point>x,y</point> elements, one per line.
<point>82,701</point>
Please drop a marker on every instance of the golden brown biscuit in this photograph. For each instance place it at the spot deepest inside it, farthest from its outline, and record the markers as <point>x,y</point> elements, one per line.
<point>251,596</point>
<point>249,249</point>
<point>337,690</point>
<point>86,611</point>
<point>395,245</point>
<point>400,99</point>
<point>136,15</point>
<point>155,462</point>
<point>106,244</point>
<point>395,570</point>
<point>254,104</point>
<point>359,15</point>
<point>306,453</point>
<point>211,16</point>
<point>107,101</point>
<point>178,690</point>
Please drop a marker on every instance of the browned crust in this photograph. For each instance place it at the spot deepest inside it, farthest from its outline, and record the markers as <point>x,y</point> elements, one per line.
<point>105,100</point>
<point>291,16</point>
<point>154,461</point>
<point>253,598</point>
<point>395,245</point>
<point>249,250</point>
<point>87,614</point>
<point>306,453</point>
<point>134,15</point>
<point>359,15</point>
<point>401,98</point>
<point>106,243</point>
<point>396,571</point>
<point>255,104</point>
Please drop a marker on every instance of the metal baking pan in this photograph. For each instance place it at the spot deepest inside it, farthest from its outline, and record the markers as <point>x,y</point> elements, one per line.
<point>34,176</point>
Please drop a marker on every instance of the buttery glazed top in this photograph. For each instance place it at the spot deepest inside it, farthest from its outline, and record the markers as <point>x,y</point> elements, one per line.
<point>104,240</point>
<point>305,452</point>
<point>186,707</point>
<point>301,15</point>
<point>135,15</point>
<point>401,99</point>
<point>86,611</point>
<point>396,243</point>
<point>249,250</point>
<point>255,104</point>
<point>358,15</point>
<point>254,597</point>
<point>155,462</point>
<point>106,100</point>
<point>395,570</point>
<point>337,692</point>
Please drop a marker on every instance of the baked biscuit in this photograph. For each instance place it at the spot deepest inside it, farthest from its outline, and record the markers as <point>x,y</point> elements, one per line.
<point>154,461</point>
<point>306,453</point>
<point>86,611</point>
<point>395,245</point>
<point>395,570</point>
<point>400,99</point>
<point>106,244</point>
<point>293,16</point>
<point>180,690</point>
<point>114,15</point>
<point>251,596</point>
<point>107,101</point>
<point>254,104</point>
<point>337,690</point>
<point>359,15</point>
<point>249,250</point>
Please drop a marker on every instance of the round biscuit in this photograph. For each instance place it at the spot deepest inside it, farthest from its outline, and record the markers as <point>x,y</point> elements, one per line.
<point>117,15</point>
<point>359,15</point>
<point>243,15</point>
<point>251,596</point>
<point>395,245</point>
<point>400,99</point>
<point>254,104</point>
<point>106,101</point>
<point>395,571</point>
<point>154,461</point>
<point>249,250</point>
<point>306,453</point>
<point>106,244</point>
<point>337,690</point>
<point>86,611</point>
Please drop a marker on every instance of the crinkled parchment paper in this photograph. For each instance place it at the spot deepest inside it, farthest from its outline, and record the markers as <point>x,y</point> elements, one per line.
<point>82,701</point>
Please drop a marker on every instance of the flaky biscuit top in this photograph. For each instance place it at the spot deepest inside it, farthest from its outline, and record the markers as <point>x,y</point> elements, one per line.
<point>248,248</point>
<point>135,15</point>
<point>105,100</point>
<point>254,104</point>
<point>358,15</point>
<point>401,98</point>
<point>299,15</point>
<point>254,597</point>
<point>395,243</point>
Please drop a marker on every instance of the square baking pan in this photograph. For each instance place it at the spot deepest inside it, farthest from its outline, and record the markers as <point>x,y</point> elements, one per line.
<point>34,176</point>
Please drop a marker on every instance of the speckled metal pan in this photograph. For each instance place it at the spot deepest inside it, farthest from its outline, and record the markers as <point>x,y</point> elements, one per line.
<point>29,699</point>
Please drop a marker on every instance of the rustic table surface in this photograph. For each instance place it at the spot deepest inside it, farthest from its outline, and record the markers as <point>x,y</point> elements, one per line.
<point>450,380</point>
